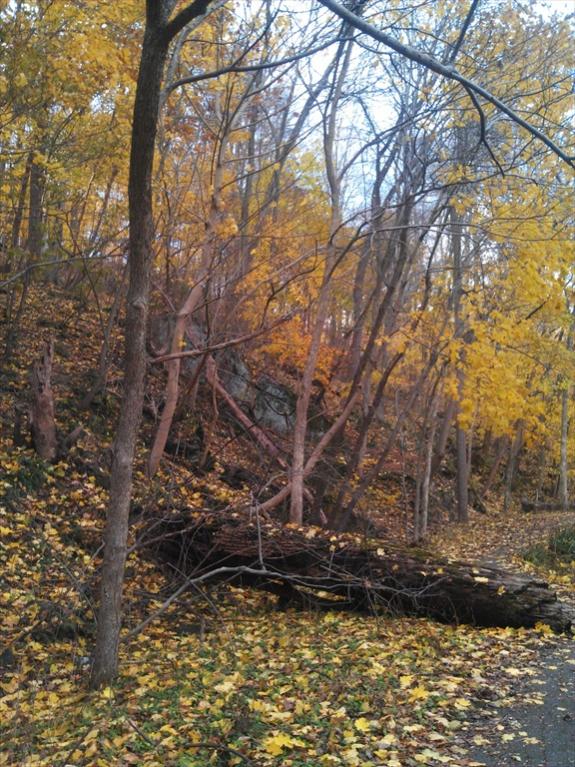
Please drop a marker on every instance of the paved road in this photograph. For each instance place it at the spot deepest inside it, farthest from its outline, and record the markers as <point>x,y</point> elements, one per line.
<point>552,723</point>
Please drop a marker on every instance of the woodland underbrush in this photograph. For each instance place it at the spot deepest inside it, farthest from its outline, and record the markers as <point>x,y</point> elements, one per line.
<point>223,677</point>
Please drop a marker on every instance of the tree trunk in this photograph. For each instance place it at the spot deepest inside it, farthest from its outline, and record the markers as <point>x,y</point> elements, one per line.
<point>146,107</point>
<point>158,33</point>
<point>563,464</point>
<point>502,443</point>
<point>443,437</point>
<point>514,450</point>
<point>19,212</point>
<point>173,382</point>
<point>422,507</point>
<point>37,181</point>
<point>462,475</point>
<point>564,461</point>
<point>42,423</point>
<point>462,466</point>
<point>304,394</point>
<point>302,406</point>
<point>343,572</point>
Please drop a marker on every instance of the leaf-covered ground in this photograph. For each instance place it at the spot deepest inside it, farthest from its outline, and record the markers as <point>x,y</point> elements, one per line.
<point>240,683</point>
<point>225,678</point>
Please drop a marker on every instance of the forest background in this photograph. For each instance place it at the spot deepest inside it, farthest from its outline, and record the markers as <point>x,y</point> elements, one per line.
<point>341,258</point>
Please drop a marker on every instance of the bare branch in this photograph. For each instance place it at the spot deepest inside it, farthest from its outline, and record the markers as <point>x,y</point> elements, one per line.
<point>483,128</point>
<point>224,344</point>
<point>447,71</point>
<point>455,50</point>
<point>191,12</point>
<point>253,67</point>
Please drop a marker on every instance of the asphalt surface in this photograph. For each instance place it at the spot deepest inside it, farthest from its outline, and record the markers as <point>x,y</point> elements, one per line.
<point>551,724</point>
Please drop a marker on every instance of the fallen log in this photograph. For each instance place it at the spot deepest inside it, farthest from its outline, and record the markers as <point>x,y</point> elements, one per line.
<point>315,566</point>
<point>534,506</point>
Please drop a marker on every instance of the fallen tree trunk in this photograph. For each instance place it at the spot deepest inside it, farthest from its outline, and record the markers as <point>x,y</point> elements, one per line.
<point>534,506</point>
<point>315,566</point>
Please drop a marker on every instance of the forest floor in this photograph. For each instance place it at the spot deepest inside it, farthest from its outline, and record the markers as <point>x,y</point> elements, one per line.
<point>224,677</point>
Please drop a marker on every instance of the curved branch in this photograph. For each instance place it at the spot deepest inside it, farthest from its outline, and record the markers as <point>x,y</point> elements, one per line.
<point>253,67</point>
<point>447,71</point>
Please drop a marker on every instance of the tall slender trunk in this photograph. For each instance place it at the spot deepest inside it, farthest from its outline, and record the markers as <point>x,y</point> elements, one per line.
<point>19,212</point>
<point>304,394</point>
<point>37,179</point>
<point>563,462</point>
<point>7,267</point>
<point>443,436</point>
<point>35,234</point>
<point>502,443</point>
<point>157,36</point>
<point>422,507</point>
<point>144,126</point>
<point>514,450</point>
<point>302,405</point>
<point>462,465</point>
<point>104,361</point>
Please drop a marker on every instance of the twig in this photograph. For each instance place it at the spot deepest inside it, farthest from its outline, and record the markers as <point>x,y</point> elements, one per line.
<point>142,735</point>
<point>483,127</point>
<point>227,749</point>
<point>446,71</point>
<point>224,344</point>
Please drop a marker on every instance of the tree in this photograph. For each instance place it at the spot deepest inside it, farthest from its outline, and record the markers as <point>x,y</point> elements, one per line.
<point>160,30</point>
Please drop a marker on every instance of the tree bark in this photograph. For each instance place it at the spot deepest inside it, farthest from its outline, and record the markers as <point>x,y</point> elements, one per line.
<point>19,212</point>
<point>422,507</point>
<point>159,31</point>
<point>462,466</point>
<point>563,463</point>
<point>42,422</point>
<point>564,460</point>
<point>37,181</point>
<point>443,436</point>
<point>356,574</point>
<point>502,443</point>
<point>304,394</point>
<point>146,108</point>
<point>514,450</point>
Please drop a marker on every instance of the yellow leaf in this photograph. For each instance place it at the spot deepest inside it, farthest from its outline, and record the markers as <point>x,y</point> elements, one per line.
<point>418,693</point>
<point>91,735</point>
<point>362,724</point>
<point>275,744</point>
<point>225,686</point>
